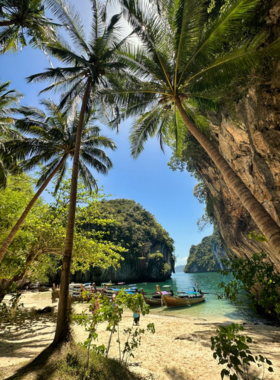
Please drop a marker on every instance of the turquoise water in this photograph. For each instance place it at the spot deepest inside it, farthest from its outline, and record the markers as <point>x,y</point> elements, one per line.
<point>213,308</point>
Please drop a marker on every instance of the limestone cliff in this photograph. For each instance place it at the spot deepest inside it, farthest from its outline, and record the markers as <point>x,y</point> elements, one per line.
<point>206,256</point>
<point>248,136</point>
<point>132,270</point>
<point>149,255</point>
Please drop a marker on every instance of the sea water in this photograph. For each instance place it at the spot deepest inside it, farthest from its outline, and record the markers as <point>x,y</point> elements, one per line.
<point>213,308</point>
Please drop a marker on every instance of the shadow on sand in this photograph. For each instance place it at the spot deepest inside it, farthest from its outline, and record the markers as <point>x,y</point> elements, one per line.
<point>175,374</point>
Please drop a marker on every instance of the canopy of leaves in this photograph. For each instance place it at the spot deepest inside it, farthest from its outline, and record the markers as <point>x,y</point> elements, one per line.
<point>38,247</point>
<point>258,278</point>
<point>185,57</point>
<point>23,21</point>
<point>49,139</point>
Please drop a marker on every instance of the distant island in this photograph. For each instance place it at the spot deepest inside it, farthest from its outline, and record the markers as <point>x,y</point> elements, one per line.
<point>179,268</point>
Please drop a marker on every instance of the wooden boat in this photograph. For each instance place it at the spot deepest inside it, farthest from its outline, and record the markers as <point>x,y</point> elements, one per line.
<point>155,300</point>
<point>186,300</point>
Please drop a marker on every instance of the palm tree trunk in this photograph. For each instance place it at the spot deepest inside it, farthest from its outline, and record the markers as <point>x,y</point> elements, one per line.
<point>261,217</point>
<point>18,224</point>
<point>7,23</point>
<point>62,333</point>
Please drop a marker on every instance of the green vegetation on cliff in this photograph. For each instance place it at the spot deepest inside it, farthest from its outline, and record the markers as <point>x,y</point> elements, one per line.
<point>201,257</point>
<point>134,228</point>
<point>149,248</point>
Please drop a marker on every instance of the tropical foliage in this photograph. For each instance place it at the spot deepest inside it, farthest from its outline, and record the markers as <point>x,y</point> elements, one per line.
<point>233,349</point>
<point>104,310</point>
<point>22,22</point>
<point>258,278</point>
<point>182,65</point>
<point>49,140</point>
<point>188,52</point>
<point>90,64</point>
<point>8,102</point>
<point>37,250</point>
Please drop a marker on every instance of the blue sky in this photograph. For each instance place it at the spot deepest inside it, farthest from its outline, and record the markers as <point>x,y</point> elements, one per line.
<point>148,180</point>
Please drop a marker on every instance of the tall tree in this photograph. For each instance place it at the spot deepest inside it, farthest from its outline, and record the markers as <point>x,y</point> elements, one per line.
<point>38,247</point>
<point>184,64</point>
<point>24,18</point>
<point>8,100</point>
<point>91,65</point>
<point>51,140</point>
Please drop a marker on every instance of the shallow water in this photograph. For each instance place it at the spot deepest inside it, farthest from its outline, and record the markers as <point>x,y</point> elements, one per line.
<point>213,308</point>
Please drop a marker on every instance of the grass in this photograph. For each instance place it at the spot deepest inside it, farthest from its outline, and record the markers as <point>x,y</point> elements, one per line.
<point>70,362</point>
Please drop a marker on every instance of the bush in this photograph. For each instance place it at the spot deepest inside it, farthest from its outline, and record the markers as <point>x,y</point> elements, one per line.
<point>156,256</point>
<point>233,350</point>
<point>258,278</point>
<point>166,268</point>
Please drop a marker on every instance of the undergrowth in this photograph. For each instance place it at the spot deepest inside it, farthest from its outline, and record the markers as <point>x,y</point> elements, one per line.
<point>71,363</point>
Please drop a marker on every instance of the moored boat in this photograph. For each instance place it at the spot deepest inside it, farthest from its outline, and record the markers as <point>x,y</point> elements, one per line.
<point>156,299</point>
<point>184,300</point>
<point>153,301</point>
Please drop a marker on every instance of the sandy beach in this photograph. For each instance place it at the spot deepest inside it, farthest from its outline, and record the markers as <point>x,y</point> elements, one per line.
<point>179,349</point>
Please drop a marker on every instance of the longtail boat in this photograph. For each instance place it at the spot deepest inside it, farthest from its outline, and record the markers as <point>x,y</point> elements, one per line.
<point>156,299</point>
<point>152,301</point>
<point>184,300</point>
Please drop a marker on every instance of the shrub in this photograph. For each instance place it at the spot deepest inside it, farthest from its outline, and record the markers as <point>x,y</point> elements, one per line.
<point>233,350</point>
<point>256,277</point>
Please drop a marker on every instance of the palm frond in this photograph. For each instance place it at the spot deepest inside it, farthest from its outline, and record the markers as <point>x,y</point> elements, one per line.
<point>218,34</point>
<point>72,21</point>
<point>87,177</point>
<point>222,70</point>
<point>142,129</point>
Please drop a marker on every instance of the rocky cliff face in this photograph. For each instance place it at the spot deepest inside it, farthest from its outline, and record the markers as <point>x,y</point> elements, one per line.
<point>250,142</point>
<point>206,256</point>
<point>134,269</point>
<point>149,247</point>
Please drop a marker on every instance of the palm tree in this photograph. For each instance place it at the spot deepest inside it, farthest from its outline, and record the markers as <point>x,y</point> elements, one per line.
<point>21,18</point>
<point>8,100</point>
<point>182,65</point>
<point>51,140</point>
<point>92,65</point>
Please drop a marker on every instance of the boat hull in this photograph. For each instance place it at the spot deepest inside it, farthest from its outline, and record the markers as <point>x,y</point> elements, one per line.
<point>182,301</point>
<point>154,301</point>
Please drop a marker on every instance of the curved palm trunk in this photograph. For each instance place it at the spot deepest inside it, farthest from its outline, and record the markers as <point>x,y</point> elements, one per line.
<point>62,333</point>
<point>261,217</point>
<point>18,224</point>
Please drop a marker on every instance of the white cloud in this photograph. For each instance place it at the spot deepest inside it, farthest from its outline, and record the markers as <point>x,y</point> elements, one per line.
<point>181,260</point>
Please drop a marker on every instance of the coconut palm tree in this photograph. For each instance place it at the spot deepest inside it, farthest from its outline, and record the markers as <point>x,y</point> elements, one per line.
<point>183,64</point>
<point>50,141</point>
<point>90,65</point>
<point>8,100</point>
<point>24,18</point>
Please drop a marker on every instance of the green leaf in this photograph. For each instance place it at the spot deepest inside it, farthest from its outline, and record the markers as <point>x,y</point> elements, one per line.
<point>224,373</point>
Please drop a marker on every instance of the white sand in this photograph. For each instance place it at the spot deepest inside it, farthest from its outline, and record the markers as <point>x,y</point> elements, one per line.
<point>161,354</point>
